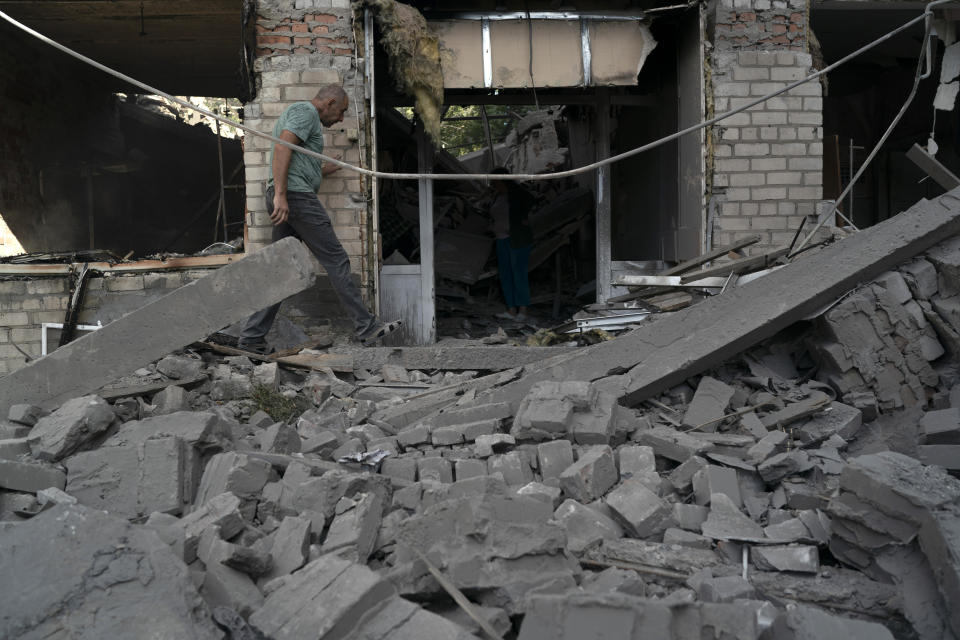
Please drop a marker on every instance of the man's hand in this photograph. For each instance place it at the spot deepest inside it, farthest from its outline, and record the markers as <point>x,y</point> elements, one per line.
<point>281,210</point>
<point>329,168</point>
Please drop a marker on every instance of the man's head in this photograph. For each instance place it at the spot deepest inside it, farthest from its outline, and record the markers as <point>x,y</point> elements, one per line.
<point>331,103</point>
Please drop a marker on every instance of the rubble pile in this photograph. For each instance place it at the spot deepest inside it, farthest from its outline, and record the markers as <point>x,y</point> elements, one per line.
<point>764,499</point>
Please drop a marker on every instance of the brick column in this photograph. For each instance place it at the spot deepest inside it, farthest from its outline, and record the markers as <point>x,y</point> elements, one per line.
<point>301,45</point>
<point>768,161</point>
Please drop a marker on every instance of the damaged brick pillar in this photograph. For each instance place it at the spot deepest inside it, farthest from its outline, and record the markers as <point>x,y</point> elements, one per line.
<point>768,161</point>
<point>301,46</point>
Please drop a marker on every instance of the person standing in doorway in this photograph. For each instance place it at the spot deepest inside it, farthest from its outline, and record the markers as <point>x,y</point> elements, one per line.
<point>510,214</point>
<point>295,210</point>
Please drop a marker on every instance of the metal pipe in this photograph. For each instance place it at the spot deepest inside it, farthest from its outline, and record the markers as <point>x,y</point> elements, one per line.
<point>487,53</point>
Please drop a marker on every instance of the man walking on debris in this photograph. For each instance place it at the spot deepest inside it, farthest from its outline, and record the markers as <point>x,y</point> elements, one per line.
<point>296,210</point>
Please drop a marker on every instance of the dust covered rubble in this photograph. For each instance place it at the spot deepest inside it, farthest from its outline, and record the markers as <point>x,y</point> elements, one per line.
<point>782,495</point>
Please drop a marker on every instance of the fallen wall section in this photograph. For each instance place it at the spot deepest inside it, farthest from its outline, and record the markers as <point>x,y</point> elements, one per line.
<point>185,315</point>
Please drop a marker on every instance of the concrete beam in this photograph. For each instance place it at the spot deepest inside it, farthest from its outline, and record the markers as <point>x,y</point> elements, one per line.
<point>670,349</point>
<point>183,316</point>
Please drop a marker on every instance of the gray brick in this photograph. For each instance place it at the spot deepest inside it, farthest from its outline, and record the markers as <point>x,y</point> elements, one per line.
<point>788,74</point>
<point>768,193</point>
<point>759,149</point>
<point>769,117</point>
<point>768,164</point>
<point>784,177</point>
<point>806,193</point>
<point>806,164</point>
<point>751,73</point>
<point>747,179</point>
<point>813,118</point>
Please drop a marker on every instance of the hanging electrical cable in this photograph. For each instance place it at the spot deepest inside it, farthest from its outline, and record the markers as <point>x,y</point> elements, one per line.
<point>485,176</point>
<point>533,85</point>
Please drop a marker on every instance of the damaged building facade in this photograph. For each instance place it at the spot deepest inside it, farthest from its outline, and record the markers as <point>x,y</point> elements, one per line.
<point>621,76</point>
<point>771,453</point>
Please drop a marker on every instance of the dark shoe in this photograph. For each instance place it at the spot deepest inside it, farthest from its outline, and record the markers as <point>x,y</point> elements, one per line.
<point>379,330</point>
<point>256,345</point>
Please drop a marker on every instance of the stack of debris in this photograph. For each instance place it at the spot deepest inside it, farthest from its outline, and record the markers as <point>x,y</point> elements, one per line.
<point>767,497</point>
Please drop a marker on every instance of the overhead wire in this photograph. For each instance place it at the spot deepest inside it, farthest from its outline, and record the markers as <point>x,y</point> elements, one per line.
<point>479,176</point>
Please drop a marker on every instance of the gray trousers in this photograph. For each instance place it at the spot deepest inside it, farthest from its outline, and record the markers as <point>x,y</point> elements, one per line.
<point>309,222</point>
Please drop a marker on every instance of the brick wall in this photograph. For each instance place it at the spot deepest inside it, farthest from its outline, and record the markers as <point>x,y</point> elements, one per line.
<point>26,302</point>
<point>301,45</point>
<point>768,161</point>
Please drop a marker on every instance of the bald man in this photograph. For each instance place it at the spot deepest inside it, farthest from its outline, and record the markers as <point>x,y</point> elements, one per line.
<point>295,210</point>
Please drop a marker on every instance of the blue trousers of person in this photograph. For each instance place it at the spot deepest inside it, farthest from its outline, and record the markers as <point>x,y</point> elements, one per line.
<point>513,264</point>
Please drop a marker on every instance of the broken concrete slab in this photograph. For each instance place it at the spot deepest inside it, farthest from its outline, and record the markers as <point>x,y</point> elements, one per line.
<point>72,425</point>
<point>945,456</point>
<point>671,557</point>
<point>326,599</point>
<point>940,541</point>
<point>25,414</point>
<point>940,427</point>
<point>672,444</point>
<point>107,579</point>
<point>400,619</point>
<point>709,404</point>
<point>227,295</point>
<point>810,623</point>
<point>553,458</point>
<point>898,485</point>
<point>693,336</point>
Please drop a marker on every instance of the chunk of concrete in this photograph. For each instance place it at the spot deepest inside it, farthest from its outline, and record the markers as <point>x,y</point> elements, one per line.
<point>898,485</point>
<point>591,476</point>
<point>586,527</point>
<point>463,433</point>
<point>70,427</point>
<point>486,446</point>
<point>673,444</point>
<point>727,522</point>
<point>803,622</point>
<point>469,468</point>
<point>766,446</point>
<point>715,479</point>
<point>279,438</point>
<point>640,511</point>
<point>221,511</point>
<point>940,427</point>
<point>921,277</point>
<point>434,468</point>
<point>725,589</point>
<point>30,477</point>
<point>781,465</point>
<point>227,295</point>
<point>554,458</point>
<point>325,600</point>
<point>97,584</point>
<point>25,414</point>
<point>355,526</point>
<point>512,466</point>
<point>940,541</point>
<point>799,558</point>
<point>689,517</point>
<point>542,492</point>
<point>400,619</point>
<point>235,473</point>
<point>682,476</point>
<point>289,548</point>
<point>709,404</point>
<point>945,456</point>
<point>547,411</point>
<point>14,448</point>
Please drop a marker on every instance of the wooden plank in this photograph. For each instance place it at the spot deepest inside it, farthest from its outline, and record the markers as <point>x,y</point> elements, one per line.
<point>319,361</point>
<point>139,265</point>
<point>736,267</point>
<point>146,389</point>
